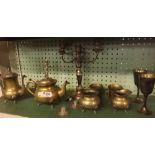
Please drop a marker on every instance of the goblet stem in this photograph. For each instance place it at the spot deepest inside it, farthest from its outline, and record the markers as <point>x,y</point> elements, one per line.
<point>137,93</point>
<point>145,100</point>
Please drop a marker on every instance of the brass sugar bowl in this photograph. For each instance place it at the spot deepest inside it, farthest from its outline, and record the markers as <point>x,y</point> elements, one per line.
<point>10,85</point>
<point>90,100</point>
<point>120,99</point>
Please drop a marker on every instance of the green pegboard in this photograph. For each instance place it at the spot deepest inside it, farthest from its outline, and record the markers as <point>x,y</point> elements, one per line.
<point>114,65</point>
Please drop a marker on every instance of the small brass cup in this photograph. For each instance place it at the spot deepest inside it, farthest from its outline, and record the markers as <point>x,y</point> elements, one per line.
<point>147,82</point>
<point>137,73</point>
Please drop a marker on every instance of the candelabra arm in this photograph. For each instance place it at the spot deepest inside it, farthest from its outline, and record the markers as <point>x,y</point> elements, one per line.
<point>71,61</point>
<point>94,59</point>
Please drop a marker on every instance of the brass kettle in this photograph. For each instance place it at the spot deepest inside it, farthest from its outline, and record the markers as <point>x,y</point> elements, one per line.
<point>90,100</point>
<point>46,90</point>
<point>120,99</point>
<point>10,85</point>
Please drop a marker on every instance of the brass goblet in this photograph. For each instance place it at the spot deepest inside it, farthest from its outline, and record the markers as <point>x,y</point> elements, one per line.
<point>137,73</point>
<point>147,82</point>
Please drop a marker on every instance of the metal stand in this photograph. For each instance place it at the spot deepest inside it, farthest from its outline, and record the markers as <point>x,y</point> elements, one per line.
<point>78,60</point>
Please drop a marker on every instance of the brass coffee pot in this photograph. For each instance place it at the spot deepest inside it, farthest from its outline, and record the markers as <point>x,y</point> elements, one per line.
<point>46,90</point>
<point>90,100</point>
<point>10,85</point>
<point>120,99</point>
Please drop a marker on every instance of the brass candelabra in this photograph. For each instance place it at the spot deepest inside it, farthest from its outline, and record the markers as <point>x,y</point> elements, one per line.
<point>78,59</point>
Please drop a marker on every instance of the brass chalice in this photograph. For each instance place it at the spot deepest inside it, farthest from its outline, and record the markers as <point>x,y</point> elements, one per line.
<point>147,82</point>
<point>137,73</point>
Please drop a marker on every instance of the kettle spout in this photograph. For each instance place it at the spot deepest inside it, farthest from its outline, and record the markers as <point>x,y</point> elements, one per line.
<point>62,90</point>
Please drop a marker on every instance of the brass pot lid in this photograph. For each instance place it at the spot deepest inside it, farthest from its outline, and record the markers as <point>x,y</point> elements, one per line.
<point>46,82</point>
<point>123,92</point>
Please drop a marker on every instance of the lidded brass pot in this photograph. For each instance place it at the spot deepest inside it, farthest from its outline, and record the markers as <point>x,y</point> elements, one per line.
<point>120,99</point>
<point>10,85</point>
<point>90,100</point>
<point>46,90</point>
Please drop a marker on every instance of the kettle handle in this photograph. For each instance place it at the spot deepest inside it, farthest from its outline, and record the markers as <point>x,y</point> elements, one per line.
<point>28,88</point>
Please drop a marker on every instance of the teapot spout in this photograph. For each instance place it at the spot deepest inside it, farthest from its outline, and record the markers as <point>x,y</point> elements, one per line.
<point>62,90</point>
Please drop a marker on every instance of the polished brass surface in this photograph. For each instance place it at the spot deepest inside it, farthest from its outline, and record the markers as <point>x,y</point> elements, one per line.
<point>90,99</point>
<point>10,85</point>
<point>120,99</point>
<point>137,73</point>
<point>46,90</point>
<point>147,82</point>
<point>48,93</point>
<point>113,88</point>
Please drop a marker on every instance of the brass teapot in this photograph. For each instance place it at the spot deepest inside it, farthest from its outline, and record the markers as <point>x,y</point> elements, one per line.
<point>46,90</point>
<point>120,99</point>
<point>90,100</point>
<point>10,85</point>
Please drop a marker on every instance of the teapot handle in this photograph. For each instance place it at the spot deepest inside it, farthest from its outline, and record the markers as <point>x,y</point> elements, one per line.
<point>28,88</point>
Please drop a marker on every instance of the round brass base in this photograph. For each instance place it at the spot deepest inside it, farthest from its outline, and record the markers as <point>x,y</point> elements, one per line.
<point>138,100</point>
<point>145,111</point>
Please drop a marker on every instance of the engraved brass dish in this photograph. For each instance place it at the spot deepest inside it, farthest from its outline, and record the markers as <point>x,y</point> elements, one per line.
<point>120,99</point>
<point>10,85</point>
<point>147,82</point>
<point>137,73</point>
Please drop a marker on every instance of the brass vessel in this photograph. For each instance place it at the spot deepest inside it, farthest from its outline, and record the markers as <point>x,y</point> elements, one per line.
<point>90,100</point>
<point>98,87</point>
<point>113,88</point>
<point>147,82</point>
<point>46,90</point>
<point>120,99</point>
<point>137,73</point>
<point>10,85</point>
